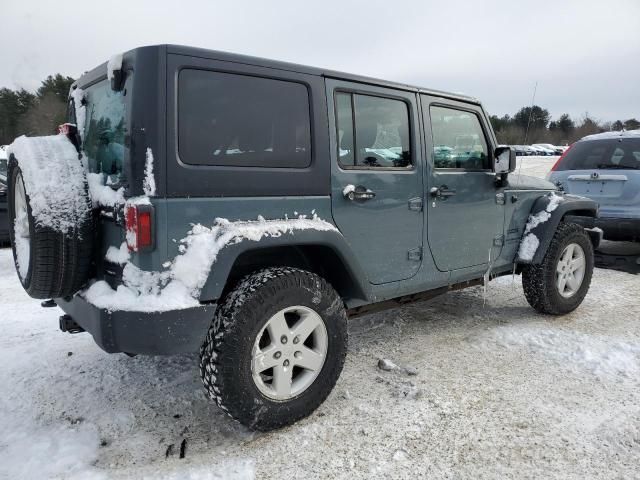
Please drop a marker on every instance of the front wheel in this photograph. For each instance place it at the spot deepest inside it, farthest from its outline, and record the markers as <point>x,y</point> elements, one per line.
<point>276,347</point>
<point>559,284</point>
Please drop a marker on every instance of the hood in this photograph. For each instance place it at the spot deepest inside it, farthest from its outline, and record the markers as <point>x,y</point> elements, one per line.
<point>525,182</point>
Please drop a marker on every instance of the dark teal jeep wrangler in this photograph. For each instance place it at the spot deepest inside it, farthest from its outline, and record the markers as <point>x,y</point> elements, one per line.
<point>246,207</point>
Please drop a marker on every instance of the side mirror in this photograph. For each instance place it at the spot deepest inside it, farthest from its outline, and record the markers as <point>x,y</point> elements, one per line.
<point>504,160</point>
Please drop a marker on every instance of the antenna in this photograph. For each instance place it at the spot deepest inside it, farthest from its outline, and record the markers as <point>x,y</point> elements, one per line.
<point>533,102</point>
<point>526,132</point>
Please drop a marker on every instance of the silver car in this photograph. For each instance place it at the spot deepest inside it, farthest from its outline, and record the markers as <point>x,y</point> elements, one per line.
<point>606,168</point>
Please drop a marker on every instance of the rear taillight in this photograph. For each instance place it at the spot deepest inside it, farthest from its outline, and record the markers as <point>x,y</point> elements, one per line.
<point>557,164</point>
<point>139,225</point>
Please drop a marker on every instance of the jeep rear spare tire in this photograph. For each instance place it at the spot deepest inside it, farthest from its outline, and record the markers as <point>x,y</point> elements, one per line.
<point>50,216</point>
<point>275,348</point>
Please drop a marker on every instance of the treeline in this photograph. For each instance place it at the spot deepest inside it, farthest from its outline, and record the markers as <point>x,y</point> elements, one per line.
<point>26,113</point>
<point>534,125</point>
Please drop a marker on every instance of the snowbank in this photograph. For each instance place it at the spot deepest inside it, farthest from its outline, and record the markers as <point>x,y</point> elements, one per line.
<point>599,356</point>
<point>179,287</point>
<point>530,242</point>
<point>54,179</point>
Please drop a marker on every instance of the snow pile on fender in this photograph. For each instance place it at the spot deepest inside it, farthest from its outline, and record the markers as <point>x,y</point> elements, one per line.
<point>54,179</point>
<point>179,287</point>
<point>530,242</point>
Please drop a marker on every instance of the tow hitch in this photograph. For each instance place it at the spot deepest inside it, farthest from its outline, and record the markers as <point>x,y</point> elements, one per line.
<point>67,324</point>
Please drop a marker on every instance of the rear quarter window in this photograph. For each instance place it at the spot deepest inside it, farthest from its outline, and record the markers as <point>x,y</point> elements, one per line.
<point>240,120</point>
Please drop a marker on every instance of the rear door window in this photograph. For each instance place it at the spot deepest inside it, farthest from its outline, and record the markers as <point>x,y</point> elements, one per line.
<point>240,120</point>
<point>373,132</point>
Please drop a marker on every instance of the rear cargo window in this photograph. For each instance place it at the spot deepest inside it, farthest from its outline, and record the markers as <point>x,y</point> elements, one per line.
<point>612,153</point>
<point>238,120</point>
<point>105,130</point>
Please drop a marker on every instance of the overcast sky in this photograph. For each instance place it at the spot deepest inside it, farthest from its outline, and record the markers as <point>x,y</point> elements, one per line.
<point>584,54</point>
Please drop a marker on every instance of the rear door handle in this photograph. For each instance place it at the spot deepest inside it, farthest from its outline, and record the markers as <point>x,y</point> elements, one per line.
<point>358,193</point>
<point>442,192</point>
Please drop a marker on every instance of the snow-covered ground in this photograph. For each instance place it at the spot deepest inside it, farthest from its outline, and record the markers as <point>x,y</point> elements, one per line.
<point>498,391</point>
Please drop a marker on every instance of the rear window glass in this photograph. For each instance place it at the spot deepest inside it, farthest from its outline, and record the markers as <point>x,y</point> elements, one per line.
<point>619,153</point>
<point>105,130</point>
<point>239,120</point>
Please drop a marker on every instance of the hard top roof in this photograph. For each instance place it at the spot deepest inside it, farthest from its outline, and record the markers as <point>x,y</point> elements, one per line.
<point>247,59</point>
<point>263,62</point>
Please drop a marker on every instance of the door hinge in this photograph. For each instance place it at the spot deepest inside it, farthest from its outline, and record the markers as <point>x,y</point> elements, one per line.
<point>500,198</point>
<point>415,204</point>
<point>415,254</point>
<point>498,241</point>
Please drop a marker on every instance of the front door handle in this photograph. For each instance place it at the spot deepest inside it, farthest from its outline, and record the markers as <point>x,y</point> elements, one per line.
<point>442,192</point>
<point>358,193</point>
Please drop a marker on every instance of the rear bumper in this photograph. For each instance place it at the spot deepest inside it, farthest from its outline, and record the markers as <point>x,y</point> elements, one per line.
<point>154,333</point>
<point>619,228</point>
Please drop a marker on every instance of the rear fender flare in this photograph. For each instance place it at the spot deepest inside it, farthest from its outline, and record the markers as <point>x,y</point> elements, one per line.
<point>332,239</point>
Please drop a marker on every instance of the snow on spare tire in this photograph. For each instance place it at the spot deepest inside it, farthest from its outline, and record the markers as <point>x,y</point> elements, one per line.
<point>50,216</point>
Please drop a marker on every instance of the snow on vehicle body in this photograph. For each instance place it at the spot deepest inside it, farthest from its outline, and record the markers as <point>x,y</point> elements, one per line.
<point>247,207</point>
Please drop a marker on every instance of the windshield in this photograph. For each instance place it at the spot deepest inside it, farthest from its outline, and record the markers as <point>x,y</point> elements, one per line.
<point>614,153</point>
<point>105,131</point>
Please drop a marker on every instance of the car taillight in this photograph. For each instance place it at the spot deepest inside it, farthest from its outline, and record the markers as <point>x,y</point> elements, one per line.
<point>557,164</point>
<point>139,225</point>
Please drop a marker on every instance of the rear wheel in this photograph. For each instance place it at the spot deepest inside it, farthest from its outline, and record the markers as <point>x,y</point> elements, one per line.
<point>275,348</point>
<point>559,284</point>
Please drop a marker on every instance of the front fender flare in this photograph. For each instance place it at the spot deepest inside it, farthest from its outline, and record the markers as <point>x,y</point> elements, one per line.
<point>579,209</point>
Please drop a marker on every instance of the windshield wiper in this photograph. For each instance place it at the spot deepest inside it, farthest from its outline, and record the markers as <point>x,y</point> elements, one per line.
<point>616,167</point>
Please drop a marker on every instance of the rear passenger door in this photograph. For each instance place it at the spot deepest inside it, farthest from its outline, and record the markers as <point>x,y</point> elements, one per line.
<point>376,152</point>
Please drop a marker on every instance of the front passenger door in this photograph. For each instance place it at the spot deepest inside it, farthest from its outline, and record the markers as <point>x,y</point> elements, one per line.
<point>465,211</point>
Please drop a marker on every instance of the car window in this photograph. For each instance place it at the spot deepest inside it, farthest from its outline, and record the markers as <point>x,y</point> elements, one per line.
<point>372,132</point>
<point>105,131</point>
<point>240,120</point>
<point>458,140</point>
<point>613,153</point>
